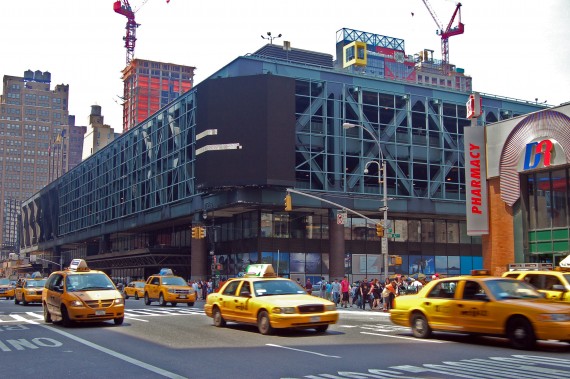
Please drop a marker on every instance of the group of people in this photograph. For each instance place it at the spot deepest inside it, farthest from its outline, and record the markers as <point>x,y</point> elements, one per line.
<point>202,288</point>
<point>378,295</point>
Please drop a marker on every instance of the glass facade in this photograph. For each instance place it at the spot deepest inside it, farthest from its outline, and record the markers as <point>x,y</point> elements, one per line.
<point>548,214</point>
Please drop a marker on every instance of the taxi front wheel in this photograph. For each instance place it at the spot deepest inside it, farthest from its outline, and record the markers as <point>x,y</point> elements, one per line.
<point>420,326</point>
<point>65,320</point>
<point>263,323</point>
<point>146,299</point>
<point>520,333</point>
<point>118,320</point>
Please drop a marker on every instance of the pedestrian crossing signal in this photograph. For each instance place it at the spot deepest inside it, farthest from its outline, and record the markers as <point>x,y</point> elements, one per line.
<point>379,230</point>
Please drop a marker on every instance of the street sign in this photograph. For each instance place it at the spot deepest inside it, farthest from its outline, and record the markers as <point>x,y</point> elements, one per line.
<point>393,235</point>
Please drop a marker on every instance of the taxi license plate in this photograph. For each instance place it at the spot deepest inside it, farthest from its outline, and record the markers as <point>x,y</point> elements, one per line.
<point>315,318</point>
<point>100,313</point>
<point>183,296</point>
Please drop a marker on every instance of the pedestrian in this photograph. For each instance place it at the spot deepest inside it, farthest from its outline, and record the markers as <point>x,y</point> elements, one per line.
<point>345,289</point>
<point>328,291</point>
<point>335,288</point>
<point>323,288</point>
<point>376,294</point>
<point>364,290</point>
<point>309,286</point>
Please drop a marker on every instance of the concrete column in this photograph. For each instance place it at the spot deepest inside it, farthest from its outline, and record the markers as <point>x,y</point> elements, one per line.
<point>199,269</point>
<point>498,246</point>
<point>337,248</point>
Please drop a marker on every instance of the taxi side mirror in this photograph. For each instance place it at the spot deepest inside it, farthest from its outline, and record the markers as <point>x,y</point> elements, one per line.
<point>58,288</point>
<point>558,287</point>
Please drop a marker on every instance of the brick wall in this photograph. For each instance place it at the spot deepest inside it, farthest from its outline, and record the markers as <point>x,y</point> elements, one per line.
<point>498,246</point>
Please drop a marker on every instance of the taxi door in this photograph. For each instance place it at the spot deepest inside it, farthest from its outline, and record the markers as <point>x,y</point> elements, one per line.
<point>243,311</point>
<point>228,300</point>
<point>439,305</point>
<point>474,310</point>
<point>54,289</point>
<point>154,288</point>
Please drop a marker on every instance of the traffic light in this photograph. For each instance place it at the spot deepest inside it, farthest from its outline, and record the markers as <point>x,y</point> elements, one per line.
<point>201,232</point>
<point>288,202</point>
<point>195,232</point>
<point>395,260</point>
<point>379,230</point>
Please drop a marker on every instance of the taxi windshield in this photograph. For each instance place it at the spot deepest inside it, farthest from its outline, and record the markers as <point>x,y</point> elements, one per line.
<point>35,283</point>
<point>139,284</point>
<point>4,281</point>
<point>174,281</point>
<point>277,287</point>
<point>503,289</point>
<point>88,282</point>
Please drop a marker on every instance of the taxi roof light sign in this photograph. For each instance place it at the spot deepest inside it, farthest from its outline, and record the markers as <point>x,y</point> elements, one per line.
<point>260,271</point>
<point>78,265</point>
<point>480,272</point>
<point>165,272</point>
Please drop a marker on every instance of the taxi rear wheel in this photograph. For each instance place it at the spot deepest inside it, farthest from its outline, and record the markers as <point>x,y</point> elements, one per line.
<point>24,302</point>
<point>16,301</point>
<point>218,319</point>
<point>126,296</point>
<point>146,299</point>
<point>520,333</point>
<point>321,328</point>
<point>263,323</point>
<point>136,296</point>
<point>190,304</point>
<point>47,315</point>
<point>420,326</point>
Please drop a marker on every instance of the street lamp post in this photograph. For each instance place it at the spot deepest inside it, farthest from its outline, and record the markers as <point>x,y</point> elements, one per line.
<point>382,178</point>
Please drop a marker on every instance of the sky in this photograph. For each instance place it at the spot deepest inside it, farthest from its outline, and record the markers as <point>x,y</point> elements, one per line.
<point>512,48</point>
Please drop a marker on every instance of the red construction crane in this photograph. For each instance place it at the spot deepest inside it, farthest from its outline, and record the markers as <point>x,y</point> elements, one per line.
<point>123,7</point>
<point>446,33</point>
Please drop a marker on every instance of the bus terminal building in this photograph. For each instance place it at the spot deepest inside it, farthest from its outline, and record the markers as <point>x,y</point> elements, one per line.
<point>223,155</point>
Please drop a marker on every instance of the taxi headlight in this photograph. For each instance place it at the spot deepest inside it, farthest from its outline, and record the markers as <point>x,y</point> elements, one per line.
<point>556,317</point>
<point>76,303</point>
<point>283,310</point>
<point>171,290</point>
<point>119,301</point>
<point>330,307</point>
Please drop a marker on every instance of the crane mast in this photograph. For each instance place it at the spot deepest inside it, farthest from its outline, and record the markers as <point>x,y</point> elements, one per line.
<point>449,31</point>
<point>123,7</point>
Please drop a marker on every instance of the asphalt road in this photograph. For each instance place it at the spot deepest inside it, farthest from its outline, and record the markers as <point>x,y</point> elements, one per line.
<point>181,342</point>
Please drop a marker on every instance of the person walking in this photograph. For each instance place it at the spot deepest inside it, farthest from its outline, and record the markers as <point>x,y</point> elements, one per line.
<point>328,291</point>
<point>344,289</point>
<point>309,286</point>
<point>335,288</point>
<point>364,289</point>
<point>323,288</point>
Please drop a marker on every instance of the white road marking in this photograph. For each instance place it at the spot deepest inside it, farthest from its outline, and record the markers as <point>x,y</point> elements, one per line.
<point>404,338</point>
<point>34,314</point>
<point>303,351</point>
<point>134,318</point>
<point>115,354</point>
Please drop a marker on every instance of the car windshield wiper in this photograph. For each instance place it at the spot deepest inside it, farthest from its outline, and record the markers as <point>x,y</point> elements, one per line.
<point>94,288</point>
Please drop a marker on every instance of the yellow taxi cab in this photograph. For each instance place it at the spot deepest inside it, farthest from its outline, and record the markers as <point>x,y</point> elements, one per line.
<point>29,290</point>
<point>79,294</point>
<point>135,289</point>
<point>270,302</point>
<point>6,288</point>
<point>553,283</point>
<point>486,305</point>
<point>165,288</point>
